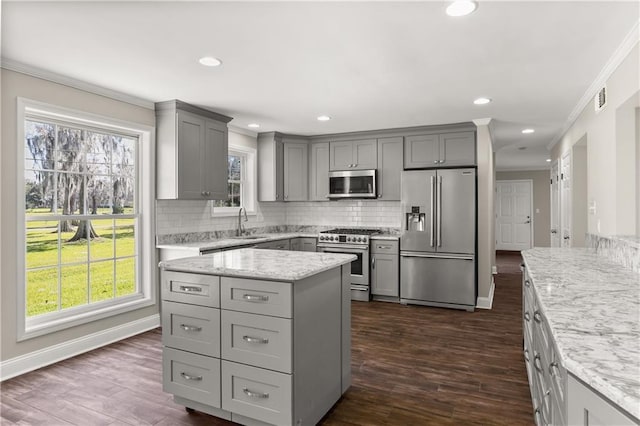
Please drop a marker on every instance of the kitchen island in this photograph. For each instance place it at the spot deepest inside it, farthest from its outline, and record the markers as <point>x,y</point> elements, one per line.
<point>581,337</point>
<point>257,336</point>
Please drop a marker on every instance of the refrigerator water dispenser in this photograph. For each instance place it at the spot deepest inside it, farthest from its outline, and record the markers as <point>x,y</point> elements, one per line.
<point>415,222</point>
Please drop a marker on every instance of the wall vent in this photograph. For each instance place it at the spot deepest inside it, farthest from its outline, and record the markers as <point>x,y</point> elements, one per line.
<point>600,101</point>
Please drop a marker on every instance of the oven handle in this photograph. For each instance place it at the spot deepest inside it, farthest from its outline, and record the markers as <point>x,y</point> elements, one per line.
<point>358,287</point>
<point>343,247</point>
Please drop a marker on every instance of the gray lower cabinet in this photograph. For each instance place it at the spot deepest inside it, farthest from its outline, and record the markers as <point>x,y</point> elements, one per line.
<point>304,244</point>
<point>440,150</point>
<point>385,269</point>
<point>319,171</point>
<point>191,152</point>
<point>256,351</point>
<point>274,245</point>
<point>389,168</point>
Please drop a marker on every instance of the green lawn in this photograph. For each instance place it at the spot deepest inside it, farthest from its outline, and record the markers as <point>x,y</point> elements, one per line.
<point>115,239</point>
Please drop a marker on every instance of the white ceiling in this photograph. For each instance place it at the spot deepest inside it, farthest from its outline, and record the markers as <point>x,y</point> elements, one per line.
<point>369,65</point>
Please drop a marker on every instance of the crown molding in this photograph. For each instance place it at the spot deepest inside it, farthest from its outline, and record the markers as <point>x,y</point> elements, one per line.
<point>54,77</point>
<point>246,132</point>
<point>619,55</point>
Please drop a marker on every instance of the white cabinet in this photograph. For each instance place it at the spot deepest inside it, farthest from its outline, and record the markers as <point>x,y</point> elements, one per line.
<point>385,269</point>
<point>389,168</point>
<point>319,171</point>
<point>589,409</point>
<point>353,155</point>
<point>440,150</point>
<point>191,151</point>
<point>295,171</point>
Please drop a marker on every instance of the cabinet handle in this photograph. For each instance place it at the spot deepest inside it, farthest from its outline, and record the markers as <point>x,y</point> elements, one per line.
<point>190,377</point>
<point>537,413</point>
<point>255,298</point>
<point>527,316</point>
<point>526,355</point>
<point>187,327</point>
<point>379,195</point>
<point>536,360</point>
<point>191,289</point>
<point>436,161</point>
<point>373,262</point>
<point>552,366</point>
<point>537,317</point>
<point>253,394</point>
<point>384,247</point>
<point>251,339</point>
<point>527,283</point>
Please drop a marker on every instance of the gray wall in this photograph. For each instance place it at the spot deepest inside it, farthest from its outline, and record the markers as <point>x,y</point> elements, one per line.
<point>16,85</point>
<point>541,201</point>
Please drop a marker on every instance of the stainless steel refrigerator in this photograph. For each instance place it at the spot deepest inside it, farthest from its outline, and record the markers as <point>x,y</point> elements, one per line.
<point>438,242</point>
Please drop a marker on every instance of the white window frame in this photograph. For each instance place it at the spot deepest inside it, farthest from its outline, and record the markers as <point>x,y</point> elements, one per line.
<point>249,184</point>
<point>146,268</point>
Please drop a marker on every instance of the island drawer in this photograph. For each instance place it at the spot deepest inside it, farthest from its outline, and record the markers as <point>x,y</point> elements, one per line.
<point>257,340</point>
<point>257,393</point>
<point>195,289</point>
<point>384,247</point>
<point>256,296</point>
<point>191,376</point>
<point>192,328</point>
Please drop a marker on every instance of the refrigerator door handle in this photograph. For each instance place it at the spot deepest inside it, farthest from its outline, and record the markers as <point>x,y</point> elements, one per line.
<point>436,256</point>
<point>439,220</point>
<point>433,189</point>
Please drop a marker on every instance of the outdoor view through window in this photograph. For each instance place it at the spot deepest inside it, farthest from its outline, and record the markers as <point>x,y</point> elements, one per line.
<point>236,179</point>
<point>80,215</point>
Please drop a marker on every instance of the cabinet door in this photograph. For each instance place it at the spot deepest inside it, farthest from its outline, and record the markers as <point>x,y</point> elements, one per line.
<point>340,155</point>
<point>319,172</point>
<point>389,168</point>
<point>214,161</point>
<point>421,151</point>
<point>270,168</point>
<point>191,134</point>
<point>384,275</point>
<point>295,171</point>
<point>458,149</point>
<point>279,165</point>
<point>365,154</point>
<point>308,244</point>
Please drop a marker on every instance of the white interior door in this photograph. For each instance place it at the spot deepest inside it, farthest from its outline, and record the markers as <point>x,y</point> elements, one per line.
<point>514,222</point>
<point>565,200</point>
<point>555,205</point>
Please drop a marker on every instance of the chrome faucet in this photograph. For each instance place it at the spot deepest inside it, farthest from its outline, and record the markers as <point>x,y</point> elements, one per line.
<point>240,229</point>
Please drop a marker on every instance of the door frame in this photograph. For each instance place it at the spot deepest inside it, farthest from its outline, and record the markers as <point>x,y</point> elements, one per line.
<point>531,216</point>
<point>555,166</point>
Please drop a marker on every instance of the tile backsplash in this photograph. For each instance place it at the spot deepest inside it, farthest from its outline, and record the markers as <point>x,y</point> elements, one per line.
<point>180,216</point>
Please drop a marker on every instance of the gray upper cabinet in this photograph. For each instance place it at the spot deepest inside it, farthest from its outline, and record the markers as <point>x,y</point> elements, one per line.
<point>389,168</point>
<point>296,160</point>
<point>319,171</point>
<point>353,155</point>
<point>440,150</point>
<point>192,148</point>
<point>270,167</point>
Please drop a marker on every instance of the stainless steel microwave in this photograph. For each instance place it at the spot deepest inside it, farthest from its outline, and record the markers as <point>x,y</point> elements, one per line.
<point>352,184</point>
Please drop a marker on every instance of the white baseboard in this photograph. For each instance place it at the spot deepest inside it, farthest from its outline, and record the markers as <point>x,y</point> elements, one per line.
<point>487,302</point>
<point>494,270</point>
<point>28,362</point>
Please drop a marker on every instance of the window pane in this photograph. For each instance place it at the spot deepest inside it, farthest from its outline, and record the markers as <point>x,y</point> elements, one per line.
<point>41,244</point>
<point>125,237</point>
<point>99,194</point>
<point>101,280</point>
<point>126,276</point>
<point>234,194</point>
<point>73,285</point>
<point>39,192</point>
<point>42,291</point>
<point>123,195</point>
<point>74,249</point>
<point>98,153</point>
<point>102,241</point>
<point>235,164</point>
<point>70,150</point>
<point>69,196</point>
<point>39,145</point>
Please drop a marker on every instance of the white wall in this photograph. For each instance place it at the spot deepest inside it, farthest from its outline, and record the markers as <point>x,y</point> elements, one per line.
<point>486,222</point>
<point>609,146</point>
<point>16,85</point>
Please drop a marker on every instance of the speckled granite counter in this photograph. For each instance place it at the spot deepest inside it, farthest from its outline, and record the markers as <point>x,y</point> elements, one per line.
<point>275,265</point>
<point>226,243</point>
<point>592,306</point>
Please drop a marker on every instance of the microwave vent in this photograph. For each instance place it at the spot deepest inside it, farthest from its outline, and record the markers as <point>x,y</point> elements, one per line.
<point>600,100</point>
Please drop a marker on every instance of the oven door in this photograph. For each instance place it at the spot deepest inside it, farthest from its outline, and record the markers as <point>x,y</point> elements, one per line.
<point>359,267</point>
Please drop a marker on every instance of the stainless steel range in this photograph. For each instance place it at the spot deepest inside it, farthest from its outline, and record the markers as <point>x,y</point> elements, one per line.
<point>352,241</point>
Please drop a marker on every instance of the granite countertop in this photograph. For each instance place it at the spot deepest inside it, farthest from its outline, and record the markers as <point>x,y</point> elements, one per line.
<point>225,243</point>
<point>386,236</point>
<point>592,306</point>
<point>276,265</point>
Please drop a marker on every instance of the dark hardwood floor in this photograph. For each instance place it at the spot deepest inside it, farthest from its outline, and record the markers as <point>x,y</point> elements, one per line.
<point>411,366</point>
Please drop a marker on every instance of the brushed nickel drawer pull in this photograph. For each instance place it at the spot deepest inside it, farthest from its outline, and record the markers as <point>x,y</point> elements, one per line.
<point>527,283</point>
<point>527,316</point>
<point>552,366</point>
<point>537,366</point>
<point>191,288</point>
<point>526,355</point>
<point>384,247</point>
<point>537,317</point>
<point>190,377</point>
<point>252,394</point>
<point>255,298</point>
<point>251,339</point>
<point>187,327</point>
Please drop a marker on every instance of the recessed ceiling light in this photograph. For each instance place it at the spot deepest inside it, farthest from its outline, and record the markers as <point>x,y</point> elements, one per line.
<point>254,125</point>
<point>526,131</point>
<point>210,61</point>
<point>548,160</point>
<point>461,7</point>
<point>324,118</point>
<point>482,101</point>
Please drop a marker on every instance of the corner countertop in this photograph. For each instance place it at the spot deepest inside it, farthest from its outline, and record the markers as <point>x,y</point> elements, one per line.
<point>592,306</point>
<point>225,243</point>
<point>277,265</point>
